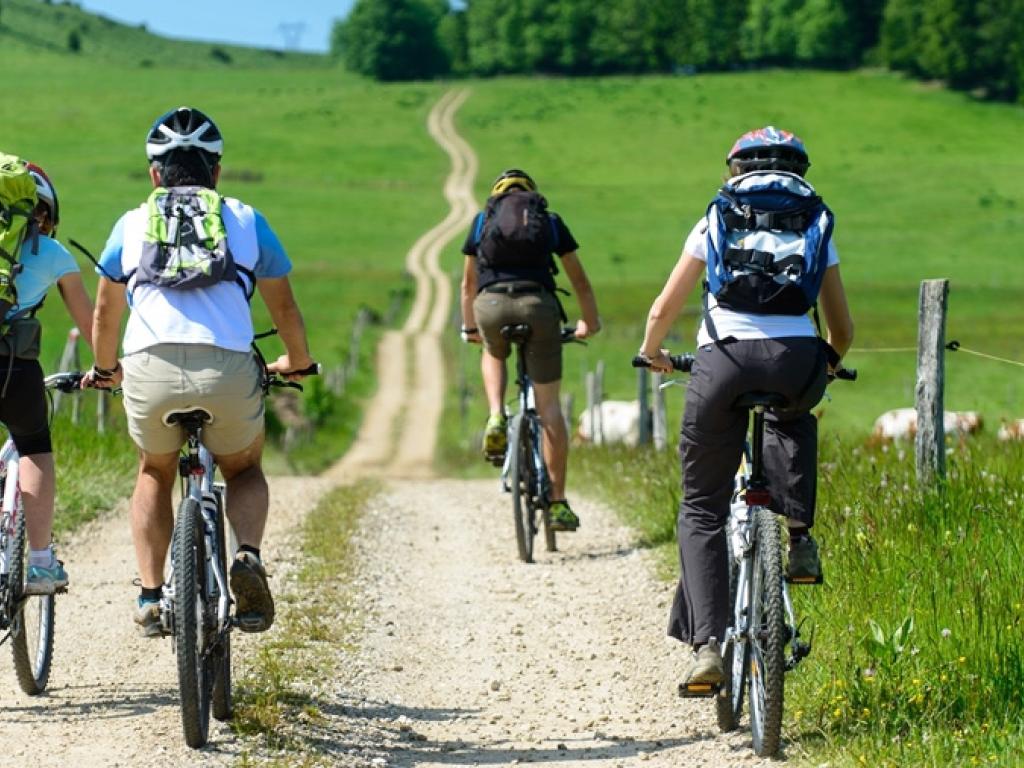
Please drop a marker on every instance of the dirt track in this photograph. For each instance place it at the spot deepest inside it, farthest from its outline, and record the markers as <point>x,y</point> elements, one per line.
<point>468,656</point>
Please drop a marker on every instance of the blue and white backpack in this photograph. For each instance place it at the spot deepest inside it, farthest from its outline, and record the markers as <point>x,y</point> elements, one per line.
<point>767,244</point>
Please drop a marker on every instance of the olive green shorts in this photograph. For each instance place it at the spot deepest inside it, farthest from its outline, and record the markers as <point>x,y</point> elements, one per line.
<point>538,310</point>
<point>184,377</point>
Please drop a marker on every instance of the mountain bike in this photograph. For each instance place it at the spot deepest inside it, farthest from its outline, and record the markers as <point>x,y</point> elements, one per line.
<point>524,472</point>
<point>763,622</point>
<point>196,605</point>
<point>28,619</point>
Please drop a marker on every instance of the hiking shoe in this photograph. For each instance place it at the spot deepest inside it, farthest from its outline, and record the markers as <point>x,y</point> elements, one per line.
<point>254,605</point>
<point>495,437</point>
<point>706,669</point>
<point>804,563</point>
<point>147,616</point>
<point>46,581</point>
<point>562,517</point>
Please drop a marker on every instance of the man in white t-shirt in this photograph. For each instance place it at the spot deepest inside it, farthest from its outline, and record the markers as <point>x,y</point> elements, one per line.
<point>190,347</point>
<point>740,352</point>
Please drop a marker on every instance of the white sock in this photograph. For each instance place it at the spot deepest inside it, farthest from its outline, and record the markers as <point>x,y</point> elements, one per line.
<point>42,558</point>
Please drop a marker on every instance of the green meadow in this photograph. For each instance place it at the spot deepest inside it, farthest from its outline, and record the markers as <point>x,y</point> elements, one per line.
<point>923,183</point>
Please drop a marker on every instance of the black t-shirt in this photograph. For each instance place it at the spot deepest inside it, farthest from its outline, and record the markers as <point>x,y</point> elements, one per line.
<point>565,243</point>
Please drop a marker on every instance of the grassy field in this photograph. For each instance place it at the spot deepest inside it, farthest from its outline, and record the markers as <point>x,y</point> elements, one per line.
<point>921,181</point>
<point>918,656</point>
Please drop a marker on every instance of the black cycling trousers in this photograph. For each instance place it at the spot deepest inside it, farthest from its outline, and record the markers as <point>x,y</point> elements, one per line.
<point>711,445</point>
<point>24,409</point>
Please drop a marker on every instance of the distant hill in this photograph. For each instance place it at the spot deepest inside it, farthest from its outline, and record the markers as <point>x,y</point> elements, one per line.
<point>62,28</point>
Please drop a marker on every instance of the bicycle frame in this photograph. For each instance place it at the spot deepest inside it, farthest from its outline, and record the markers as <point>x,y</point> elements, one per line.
<point>197,468</point>
<point>10,512</point>
<point>527,406</point>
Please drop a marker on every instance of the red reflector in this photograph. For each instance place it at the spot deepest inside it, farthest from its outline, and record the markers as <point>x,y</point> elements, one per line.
<point>757,497</point>
<point>198,472</point>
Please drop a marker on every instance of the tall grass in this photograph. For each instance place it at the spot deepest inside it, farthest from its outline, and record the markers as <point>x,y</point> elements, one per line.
<point>918,647</point>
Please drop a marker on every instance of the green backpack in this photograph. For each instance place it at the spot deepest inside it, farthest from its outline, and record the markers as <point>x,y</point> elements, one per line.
<point>17,204</point>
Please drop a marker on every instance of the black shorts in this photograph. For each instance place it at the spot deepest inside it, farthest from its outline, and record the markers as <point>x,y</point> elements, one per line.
<point>24,409</point>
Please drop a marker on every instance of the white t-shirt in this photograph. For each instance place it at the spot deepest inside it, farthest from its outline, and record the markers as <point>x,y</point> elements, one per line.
<point>743,325</point>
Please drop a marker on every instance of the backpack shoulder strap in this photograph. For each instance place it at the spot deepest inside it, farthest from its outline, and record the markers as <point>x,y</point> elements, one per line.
<point>478,227</point>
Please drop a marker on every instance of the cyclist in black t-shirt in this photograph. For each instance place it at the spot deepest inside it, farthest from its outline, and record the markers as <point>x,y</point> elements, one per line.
<point>497,292</point>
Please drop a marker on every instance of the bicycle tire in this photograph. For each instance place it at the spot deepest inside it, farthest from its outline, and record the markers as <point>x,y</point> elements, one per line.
<point>32,626</point>
<point>768,623</point>
<point>729,702</point>
<point>194,684</point>
<point>519,477</point>
<point>222,705</point>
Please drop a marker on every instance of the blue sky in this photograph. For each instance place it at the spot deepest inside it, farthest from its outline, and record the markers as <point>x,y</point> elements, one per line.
<point>245,22</point>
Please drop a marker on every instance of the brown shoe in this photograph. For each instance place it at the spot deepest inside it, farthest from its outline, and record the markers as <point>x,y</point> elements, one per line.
<point>254,605</point>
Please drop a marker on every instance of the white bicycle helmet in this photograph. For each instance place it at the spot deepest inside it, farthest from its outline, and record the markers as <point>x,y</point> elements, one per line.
<point>184,129</point>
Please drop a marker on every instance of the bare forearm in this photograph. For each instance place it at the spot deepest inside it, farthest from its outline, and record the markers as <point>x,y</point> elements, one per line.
<point>292,330</point>
<point>106,323</point>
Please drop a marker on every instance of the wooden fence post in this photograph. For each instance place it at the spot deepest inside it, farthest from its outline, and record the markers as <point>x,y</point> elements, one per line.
<point>568,404</point>
<point>592,406</point>
<point>930,442</point>
<point>643,376</point>
<point>599,398</point>
<point>68,362</point>
<point>660,417</point>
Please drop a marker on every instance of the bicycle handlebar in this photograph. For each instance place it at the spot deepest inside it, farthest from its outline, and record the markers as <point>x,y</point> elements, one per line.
<point>569,336</point>
<point>66,382</point>
<point>682,363</point>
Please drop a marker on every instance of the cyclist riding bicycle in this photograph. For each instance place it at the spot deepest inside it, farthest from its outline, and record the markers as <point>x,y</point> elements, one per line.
<point>187,262</point>
<point>740,352</point>
<point>508,279</point>
<point>23,404</point>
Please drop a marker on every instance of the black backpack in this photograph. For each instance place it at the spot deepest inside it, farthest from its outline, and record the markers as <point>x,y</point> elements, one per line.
<point>516,232</point>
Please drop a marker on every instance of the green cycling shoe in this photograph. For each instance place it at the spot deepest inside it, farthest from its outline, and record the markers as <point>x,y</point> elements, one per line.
<point>562,517</point>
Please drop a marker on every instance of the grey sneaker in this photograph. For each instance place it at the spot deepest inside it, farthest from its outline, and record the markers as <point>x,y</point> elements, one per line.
<point>706,671</point>
<point>147,616</point>
<point>804,563</point>
<point>46,581</point>
<point>254,604</point>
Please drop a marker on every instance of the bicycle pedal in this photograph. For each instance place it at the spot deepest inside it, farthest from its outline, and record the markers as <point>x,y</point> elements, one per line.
<point>61,590</point>
<point>805,580</point>
<point>699,690</point>
<point>497,459</point>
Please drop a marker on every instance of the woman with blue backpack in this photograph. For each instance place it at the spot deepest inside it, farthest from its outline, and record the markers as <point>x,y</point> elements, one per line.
<point>765,247</point>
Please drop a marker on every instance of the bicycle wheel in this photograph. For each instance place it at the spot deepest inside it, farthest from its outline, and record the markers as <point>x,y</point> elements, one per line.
<point>32,627</point>
<point>222,704</point>
<point>729,702</point>
<point>194,665</point>
<point>520,477</point>
<point>768,631</point>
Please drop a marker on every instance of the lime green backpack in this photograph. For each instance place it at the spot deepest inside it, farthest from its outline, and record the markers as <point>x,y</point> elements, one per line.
<point>17,203</point>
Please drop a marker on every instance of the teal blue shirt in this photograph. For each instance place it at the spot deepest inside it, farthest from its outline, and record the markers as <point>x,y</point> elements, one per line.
<point>39,271</point>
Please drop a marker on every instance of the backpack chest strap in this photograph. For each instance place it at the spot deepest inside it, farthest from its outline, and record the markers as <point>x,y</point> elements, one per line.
<point>762,220</point>
<point>763,261</point>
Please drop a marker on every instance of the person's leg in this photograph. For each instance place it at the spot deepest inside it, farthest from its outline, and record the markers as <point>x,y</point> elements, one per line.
<point>248,496</point>
<point>152,515</point>
<point>495,378</point>
<point>36,478</point>
<point>556,437</point>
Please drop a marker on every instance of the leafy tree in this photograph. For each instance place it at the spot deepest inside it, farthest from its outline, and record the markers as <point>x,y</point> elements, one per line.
<point>899,41</point>
<point>451,35</point>
<point>999,58</point>
<point>864,20</point>
<point>823,34</point>
<point>391,39</point>
<point>634,35</point>
<point>768,34</point>
<point>710,36</point>
<point>947,40</point>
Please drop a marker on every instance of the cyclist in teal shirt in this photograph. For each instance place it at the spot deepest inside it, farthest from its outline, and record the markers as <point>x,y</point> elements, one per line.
<point>23,404</point>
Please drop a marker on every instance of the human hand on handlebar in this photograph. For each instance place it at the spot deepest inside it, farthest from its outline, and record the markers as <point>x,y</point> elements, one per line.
<point>100,378</point>
<point>660,362</point>
<point>292,370</point>
<point>585,330</point>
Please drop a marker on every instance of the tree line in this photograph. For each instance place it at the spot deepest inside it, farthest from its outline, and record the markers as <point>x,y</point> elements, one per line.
<point>971,44</point>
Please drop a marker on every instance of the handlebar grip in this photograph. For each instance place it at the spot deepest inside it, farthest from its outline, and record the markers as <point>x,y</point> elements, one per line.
<point>682,363</point>
<point>314,370</point>
<point>846,374</point>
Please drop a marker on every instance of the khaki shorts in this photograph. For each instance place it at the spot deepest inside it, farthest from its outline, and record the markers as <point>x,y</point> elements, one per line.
<point>538,310</point>
<point>183,377</point>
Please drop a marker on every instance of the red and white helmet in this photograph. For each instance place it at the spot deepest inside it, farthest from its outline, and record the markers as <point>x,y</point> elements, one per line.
<point>45,191</point>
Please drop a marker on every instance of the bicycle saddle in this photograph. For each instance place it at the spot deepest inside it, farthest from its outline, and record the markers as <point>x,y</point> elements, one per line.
<point>188,419</point>
<point>767,399</point>
<point>517,334</point>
